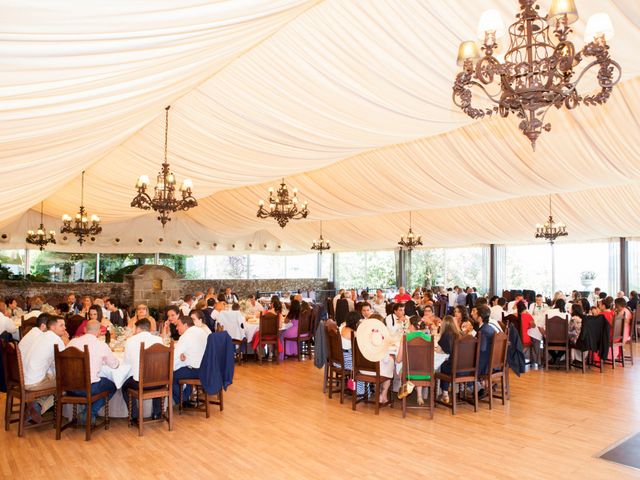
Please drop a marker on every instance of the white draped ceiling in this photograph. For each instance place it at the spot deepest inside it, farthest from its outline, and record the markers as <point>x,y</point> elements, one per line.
<point>349,101</point>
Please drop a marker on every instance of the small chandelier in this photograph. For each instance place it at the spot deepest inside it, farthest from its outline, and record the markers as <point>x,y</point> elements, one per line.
<point>164,200</point>
<point>551,230</point>
<point>537,73</point>
<point>321,244</point>
<point>80,226</point>
<point>40,236</point>
<point>411,240</point>
<point>282,207</point>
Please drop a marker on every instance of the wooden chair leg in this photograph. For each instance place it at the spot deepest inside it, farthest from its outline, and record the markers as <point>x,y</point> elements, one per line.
<point>221,398</point>
<point>106,413</point>
<point>475,398</point>
<point>354,396</point>
<point>329,380</point>
<point>58,419</point>
<point>180,404</point>
<point>502,389</point>
<point>490,392</point>
<point>342,388</point>
<point>378,389</point>
<point>454,396</point>
<point>206,403</point>
<point>87,418</point>
<point>140,414</point>
<point>566,360</point>
<point>8,408</point>
<point>432,400</point>
<point>404,406</point>
<point>170,408</point>
<point>130,405</point>
<point>299,344</point>
<point>22,418</point>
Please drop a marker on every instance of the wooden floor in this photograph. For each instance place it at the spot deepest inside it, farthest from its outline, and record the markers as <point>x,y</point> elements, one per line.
<point>278,424</point>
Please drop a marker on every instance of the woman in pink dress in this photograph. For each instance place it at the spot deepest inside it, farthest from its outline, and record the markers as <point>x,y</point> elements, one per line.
<point>291,348</point>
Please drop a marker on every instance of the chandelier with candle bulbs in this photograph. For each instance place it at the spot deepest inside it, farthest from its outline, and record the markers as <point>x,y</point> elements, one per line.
<point>164,201</point>
<point>551,230</point>
<point>537,72</point>
<point>321,244</point>
<point>283,207</point>
<point>411,240</point>
<point>40,237</point>
<point>81,226</point>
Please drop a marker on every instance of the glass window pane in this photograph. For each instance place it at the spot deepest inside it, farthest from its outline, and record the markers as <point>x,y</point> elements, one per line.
<point>11,264</point>
<point>326,264</point>
<point>427,267</point>
<point>62,267</point>
<point>113,267</point>
<point>467,267</point>
<point>528,266</point>
<point>381,269</point>
<point>577,263</point>
<point>266,266</point>
<point>302,266</point>
<point>351,270</point>
<point>634,264</point>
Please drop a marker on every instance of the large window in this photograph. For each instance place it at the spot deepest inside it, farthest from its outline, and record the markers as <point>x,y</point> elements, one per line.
<point>527,267</point>
<point>427,268</point>
<point>366,269</point>
<point>62,267</point>
<point>633,266</point>
<point>11,263</point>
<point>300,266</point>
<point>448,267</point>
<point>266,266</point>
<point>113,267</point>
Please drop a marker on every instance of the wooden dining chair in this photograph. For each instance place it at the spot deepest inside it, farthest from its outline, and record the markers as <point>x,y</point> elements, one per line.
<point>303,337</point>
<point>556,338</point>
<point>73,373</point>
<point>269,335</point>
<point>464,368</point>
<point>616,340</point>
<point>200,396</point>
<point>364,370</point>
<point>418,368</point>
<point>498,368</point>
<point>337,371</point>
<point>16,390</point>
<point>27,325</point>
<point>155,381</point>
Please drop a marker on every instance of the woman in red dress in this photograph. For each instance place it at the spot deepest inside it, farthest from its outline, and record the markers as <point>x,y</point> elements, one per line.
<point>606,309</point>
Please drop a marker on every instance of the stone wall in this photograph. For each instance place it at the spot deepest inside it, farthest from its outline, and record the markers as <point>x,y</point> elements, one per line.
<point>157,286</point>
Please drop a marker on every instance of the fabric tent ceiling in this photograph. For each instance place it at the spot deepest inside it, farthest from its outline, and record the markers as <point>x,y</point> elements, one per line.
<point>350,101</point>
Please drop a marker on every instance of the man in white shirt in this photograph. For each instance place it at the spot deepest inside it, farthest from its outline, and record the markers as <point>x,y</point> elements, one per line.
<point>538,308</point>
<point>395,321</point>
<point>36,308</point>
<point>512,307</point>
<point>366,310</point>
<point>132,357</point>
<point>229,296</point>
<point>594,297</point>
<point>99,354</point>
<point>32,335</point>
<point>185,308</point>
<point>187,355</point>
<point>253,308</point>
<point>349,296</point>
<point>7,324</point>
<point>497,311</point>
<point>40,367</point>
<point>215,313</point>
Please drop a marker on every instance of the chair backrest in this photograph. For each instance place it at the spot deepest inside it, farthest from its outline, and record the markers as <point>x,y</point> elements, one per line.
<point>12,364</point>
<point>73,369</point>
<point>466,352</point>
<point>557,330</point>
<point>27,325</point>
<point>342,310</point>
<point>72,323</point>
<point>304,323</point>
<point>443,305</point>
<point>334,342</point>
<point>268,325</point>
<point>360,363</point>
<point>618,327</point>
<point>315,315</point>
<point>156,365</point>
<point>498,355</point>
<point>417,358</point>
<point>330,311</point>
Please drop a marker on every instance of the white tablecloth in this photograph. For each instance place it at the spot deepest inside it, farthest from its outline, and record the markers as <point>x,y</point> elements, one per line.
<point>117,375</point>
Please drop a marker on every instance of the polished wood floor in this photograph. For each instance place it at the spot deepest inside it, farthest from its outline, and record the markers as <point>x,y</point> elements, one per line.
<point>278,424</point>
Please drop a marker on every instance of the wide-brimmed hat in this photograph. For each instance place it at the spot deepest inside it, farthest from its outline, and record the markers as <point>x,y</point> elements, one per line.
<point>374,339</point>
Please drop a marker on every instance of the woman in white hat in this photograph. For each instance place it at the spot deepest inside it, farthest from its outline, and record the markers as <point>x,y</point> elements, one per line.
<point>348,327</point>
<point>377,344</point>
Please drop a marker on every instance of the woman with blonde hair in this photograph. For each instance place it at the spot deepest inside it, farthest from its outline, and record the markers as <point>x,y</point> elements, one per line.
<point>142,311</point>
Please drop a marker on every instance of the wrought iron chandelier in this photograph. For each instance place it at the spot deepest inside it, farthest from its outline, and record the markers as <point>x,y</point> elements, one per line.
<point>80,226</point>
<point>537,72</point>
<point>411,240</point>
<point>40,237</point>
<point>164,200</point>
<point>283,207</point>
<point>321,244</point>
<point>551,230</point>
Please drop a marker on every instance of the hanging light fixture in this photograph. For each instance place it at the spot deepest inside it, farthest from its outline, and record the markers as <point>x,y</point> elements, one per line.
<point>283,207</point>
<point>321,244</point>
<point>164,200</point>
<point>551,230</point>
<point>537,73</point>
<point>40,236</point>
<point>80,226</point>
<point>411,240</point>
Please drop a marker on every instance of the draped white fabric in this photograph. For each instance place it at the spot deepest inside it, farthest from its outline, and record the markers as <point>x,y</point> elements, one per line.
<point>350,101</point>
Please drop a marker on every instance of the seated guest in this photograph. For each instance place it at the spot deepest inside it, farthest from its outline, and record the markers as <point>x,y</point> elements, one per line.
<point>575,326</point>
<point>497,308</point>
<point>229,296</point>
<point>430,319</point>
<point>32,335</point>
<point>594,296</point>
<point>117,316</point>
<point>586,306</point>
<point>532,328</point>
<point>170,327</point>
<point>7,326</point>
<point>348,328</point>
<point>449,333</point>
<point>559,295</point>
<point>538,308</point>
<point>36,308</point>
<point>365,309</point>
<point>293,316</point>
<point>349,296</point>
<point>512,308</point>
<point>99,354</point>
<point>40,367</point>
<point>95,314</point>
<point>621,294</point>
<point>253,307</point>
<point>558,311</point>
<point>215,313</point>
<point>187,305</point>
<point>606,309</point>
<point>105,313</point>
<point>87,301</point>
<point>207,311</point>
<point>402,296</point>
<point>632,304</point>
<point>397,322</point>
<point>132,357</point>
<point>14,311</point>
<point>199,320</point>
<point>62,310</point>
<point>142,312</point>
<point>462,319</point>
<point>379,303</point>
<point>622,312</point>
<point>233,322</point>
<point>487,331</point>
<point>74,308</point>
<point>187,356</point>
